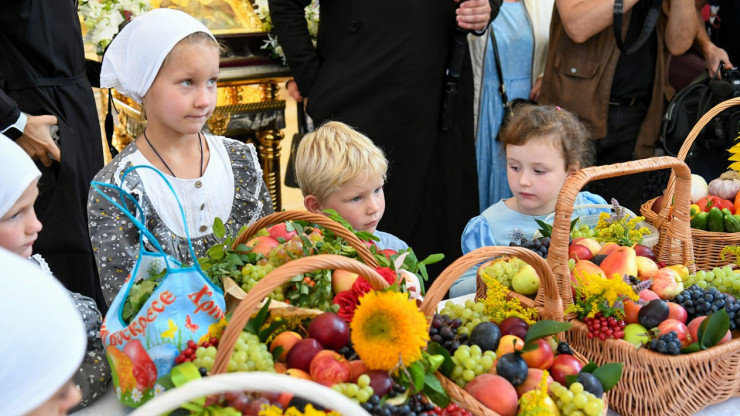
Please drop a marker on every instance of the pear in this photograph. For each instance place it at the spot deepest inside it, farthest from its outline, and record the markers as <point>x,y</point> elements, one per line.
<point>526,281</point>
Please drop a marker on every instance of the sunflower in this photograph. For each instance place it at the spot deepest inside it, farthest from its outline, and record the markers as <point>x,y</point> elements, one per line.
<point>388,328</point>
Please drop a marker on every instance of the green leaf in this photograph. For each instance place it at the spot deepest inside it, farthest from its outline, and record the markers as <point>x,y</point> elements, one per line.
<point>216,252</point>
<point>418,375</point>
<point>609,374</point>
<point>529,347</point>
<point>265,334</point>
<point>447,366</point>
<point>590,367</point>
<point>716,328</point>
<point>545,228</point>
<point>570,379</point>
<point>545,328</point>
<point>691,348</point>
<point>276,352</point>
<point>433,258</point>
<point>234,259</point>
<point>434,391</point>
<point>254,324</point>
<point>218,228</point>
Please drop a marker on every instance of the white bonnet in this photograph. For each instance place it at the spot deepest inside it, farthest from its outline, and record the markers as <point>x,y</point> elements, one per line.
<point>43,338</point>
<point>17,171</point>
<point>135,55</point>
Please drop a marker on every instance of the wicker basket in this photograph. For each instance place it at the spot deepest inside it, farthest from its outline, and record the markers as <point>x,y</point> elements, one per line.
<point>652,384</point>
<point>707,244</point>
<point>547,303</point>
<point>254,382</point>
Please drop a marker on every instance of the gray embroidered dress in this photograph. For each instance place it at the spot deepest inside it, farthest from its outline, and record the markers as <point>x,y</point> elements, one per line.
<point>115,240</point>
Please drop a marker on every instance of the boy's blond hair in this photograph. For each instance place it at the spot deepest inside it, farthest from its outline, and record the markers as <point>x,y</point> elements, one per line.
<point>333,155</point>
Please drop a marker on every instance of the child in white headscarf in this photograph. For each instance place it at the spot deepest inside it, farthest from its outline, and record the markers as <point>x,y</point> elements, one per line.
<point>19,229</point>
<point>42,342</point>
<point>169,62</point>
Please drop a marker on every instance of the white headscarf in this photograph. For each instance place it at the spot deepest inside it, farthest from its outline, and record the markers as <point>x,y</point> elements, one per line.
<point>17,171</point>
<point>135,55</point>
<point>42,340</point>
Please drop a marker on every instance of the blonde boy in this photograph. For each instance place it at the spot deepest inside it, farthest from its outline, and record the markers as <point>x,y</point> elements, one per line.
<point>341,169</point>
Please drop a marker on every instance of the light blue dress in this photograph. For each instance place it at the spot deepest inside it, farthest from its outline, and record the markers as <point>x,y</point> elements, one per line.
<point>499,225</point>
<point>389,242</point>
<point>515,44</point>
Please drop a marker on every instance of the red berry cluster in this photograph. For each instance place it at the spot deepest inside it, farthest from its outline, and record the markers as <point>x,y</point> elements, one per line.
<point>188,354</point>
<point>602,327</point>
<point>450,410</point>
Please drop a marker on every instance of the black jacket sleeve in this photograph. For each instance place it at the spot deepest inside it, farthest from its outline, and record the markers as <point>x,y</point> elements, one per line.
<point>9,111</point>
<point>291,29</point>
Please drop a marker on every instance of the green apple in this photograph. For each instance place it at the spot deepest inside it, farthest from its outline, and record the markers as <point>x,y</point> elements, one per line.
<point>526,281</point>
<point>636,335</point>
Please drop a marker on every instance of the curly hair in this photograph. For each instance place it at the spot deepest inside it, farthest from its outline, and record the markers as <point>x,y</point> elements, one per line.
<point>563,127</point>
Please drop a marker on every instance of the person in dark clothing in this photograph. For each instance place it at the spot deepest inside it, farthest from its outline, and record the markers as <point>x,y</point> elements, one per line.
<point>42,85</point>
<point>379,67</point>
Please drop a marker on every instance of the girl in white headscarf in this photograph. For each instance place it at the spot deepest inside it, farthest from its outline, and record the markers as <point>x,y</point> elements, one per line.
<point>19,229</point>
<point>42,343</point>
<point>169,62</point>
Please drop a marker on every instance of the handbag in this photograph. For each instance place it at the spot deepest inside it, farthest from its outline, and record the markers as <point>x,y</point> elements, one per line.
<point>509,106</point>
<point>184,306</point>
<point>651,19</point>
<point>290,179</point>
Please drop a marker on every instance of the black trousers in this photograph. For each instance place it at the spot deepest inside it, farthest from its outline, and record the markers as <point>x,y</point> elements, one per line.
<point>623,126</point>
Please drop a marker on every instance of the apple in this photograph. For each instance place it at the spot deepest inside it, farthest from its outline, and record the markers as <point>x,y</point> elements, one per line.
<point>565,365</point>
<point>387,253</point>
<point>380,381</point>
<point>358,369</point>
<point>329,330</point>
<point>579,252</point>
<point>286,340</point>
<point>329,368</point>
<point>298,373</point>
<point>646,268</point>
<point>508,343</point>
<point>644,251</point>
<point>495,393</point>
<point>647,295</point>
<point>678,327</point>
<point>590,243</point>
<point>681,270</point>
<point>342,280</point>
<point>583,268</point>
<point>280,231</point>
<point>514,325</point>
<point>631,310</point>
<point>526,281</point>
<point>262,244</point>
<point>693,327</point>
<point>532,382</point>
<point>302,353</point>
<point>666,283</point>
<point>676,311</point>
<point>607,248</point>
<point>540,358</point>
<point>636,335</point>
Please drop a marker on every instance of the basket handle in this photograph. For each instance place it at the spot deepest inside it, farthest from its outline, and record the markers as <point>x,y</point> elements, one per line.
<point>686,146</point>
<point>337,228</point>
<point>548,296</point>
<point>252,381</point>
<point>249,305</point>
<point>678,228</point>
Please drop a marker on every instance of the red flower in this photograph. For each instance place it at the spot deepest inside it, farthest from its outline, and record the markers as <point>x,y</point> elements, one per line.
<point>347,301</point>
<point>362,286</point>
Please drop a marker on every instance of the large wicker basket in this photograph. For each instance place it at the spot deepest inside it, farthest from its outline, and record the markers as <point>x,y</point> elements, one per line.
<point>707,245</point>
<point>652,384</point>
<point>547,303</point>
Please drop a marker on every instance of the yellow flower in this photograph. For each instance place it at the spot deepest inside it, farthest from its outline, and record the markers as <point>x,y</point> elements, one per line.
<point>499,305</point>
<point>292,411</point>
<point>388,328</point>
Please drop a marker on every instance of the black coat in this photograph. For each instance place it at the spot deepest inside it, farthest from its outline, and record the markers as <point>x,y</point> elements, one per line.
<point>42,72</point>
<point>379,66</point>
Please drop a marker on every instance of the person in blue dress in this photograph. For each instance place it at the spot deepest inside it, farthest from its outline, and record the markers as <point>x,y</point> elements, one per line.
<point>544,145</point>
<point>521,34</point>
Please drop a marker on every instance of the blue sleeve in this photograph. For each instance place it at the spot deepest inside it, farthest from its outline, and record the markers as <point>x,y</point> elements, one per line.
<point>588,198</point>
<point>390,242</point>
<point>477,234</point>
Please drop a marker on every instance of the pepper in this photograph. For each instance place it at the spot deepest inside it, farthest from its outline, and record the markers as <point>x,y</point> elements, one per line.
<point>694,209</point>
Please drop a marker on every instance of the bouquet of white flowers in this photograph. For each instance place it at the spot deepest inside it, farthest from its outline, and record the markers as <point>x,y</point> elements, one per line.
<point>271,44</point>
<point>103,18</point>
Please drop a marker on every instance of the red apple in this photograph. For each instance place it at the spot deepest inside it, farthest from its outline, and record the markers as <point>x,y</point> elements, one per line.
<point>280,231</point>
<point>514,325</point>
<point>329,368</point>
<point>358,369</point>
<point>591,243</point>
<point>540,358</point>
<point>302,353</point>
<point>644,251</point>
<point>380,381</point>
<point>262,244</point>
<point>693,327</point>
<point>579,252</point>
<point>387,253</point>
<point>647,295</point>
<point>342,280</point>
<point>676,311</point>
<point>631,309</point>
<point>564,365</point>
<point>329,330</point>
<point>532,382</point>
<point>286,340</point>
<point>678,327</point>
<point>495,392</point>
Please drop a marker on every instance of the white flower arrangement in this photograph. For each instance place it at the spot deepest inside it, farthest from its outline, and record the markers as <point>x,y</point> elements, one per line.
<point>103,17</point>
<point>262,9</point>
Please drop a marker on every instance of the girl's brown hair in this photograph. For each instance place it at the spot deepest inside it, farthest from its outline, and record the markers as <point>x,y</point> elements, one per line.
<point>567,132</point>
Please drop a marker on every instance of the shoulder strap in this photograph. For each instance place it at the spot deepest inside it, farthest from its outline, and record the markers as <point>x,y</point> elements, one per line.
<point>501,87</point>
<point>651,19</point>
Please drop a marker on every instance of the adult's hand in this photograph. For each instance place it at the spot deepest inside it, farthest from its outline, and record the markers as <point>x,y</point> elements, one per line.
<point>36,139</point>
<point>713,54</point>
<point>293,91</point>
<point>473,14</point>
<point>534,93</point>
